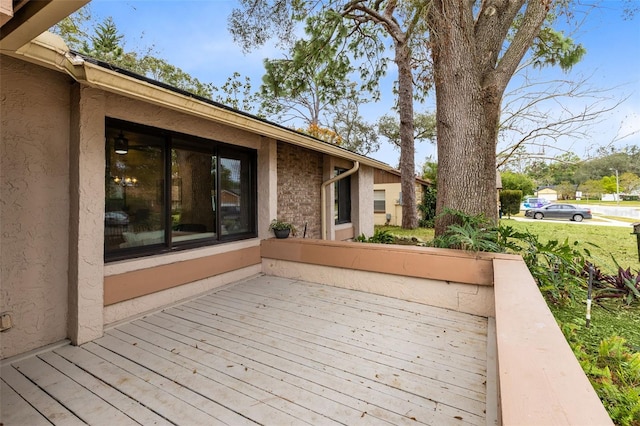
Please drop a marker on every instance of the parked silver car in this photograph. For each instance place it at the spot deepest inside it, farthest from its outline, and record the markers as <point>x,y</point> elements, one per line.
<point>560,211</point>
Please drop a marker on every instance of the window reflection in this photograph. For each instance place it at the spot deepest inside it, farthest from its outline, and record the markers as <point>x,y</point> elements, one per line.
<point>168,191</point>
<point>134,207</point>
<point>193,195</point>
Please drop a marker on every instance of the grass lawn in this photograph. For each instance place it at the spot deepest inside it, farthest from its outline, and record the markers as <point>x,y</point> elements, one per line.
<point>603,242</point>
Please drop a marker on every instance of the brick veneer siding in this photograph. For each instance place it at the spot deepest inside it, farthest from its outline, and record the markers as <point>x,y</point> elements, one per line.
<point>299,180</point>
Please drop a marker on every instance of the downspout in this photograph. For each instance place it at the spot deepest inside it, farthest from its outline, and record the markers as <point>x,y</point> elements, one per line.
<point>323,194</point>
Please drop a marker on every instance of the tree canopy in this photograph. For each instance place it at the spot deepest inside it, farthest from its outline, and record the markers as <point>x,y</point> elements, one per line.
<point>357,31</point>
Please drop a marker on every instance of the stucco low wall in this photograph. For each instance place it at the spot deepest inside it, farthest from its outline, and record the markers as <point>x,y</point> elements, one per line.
<point>540,380</point>
<point>450,279</point>
<point>129,309</point>
<point>467,298</point>
<point>136,286</point>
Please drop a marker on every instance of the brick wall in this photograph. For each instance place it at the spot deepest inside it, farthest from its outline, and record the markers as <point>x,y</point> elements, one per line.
<point>299,181</point>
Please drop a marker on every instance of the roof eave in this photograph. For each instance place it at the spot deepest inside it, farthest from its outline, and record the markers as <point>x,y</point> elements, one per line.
<point>50,51</point>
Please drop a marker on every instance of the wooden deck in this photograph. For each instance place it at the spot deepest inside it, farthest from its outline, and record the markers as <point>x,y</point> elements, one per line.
<point>267,351</point>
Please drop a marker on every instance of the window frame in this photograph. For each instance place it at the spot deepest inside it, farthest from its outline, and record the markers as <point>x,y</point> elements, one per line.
<point>192,143</point>
<point>342,198</point>
<point>383,200</point>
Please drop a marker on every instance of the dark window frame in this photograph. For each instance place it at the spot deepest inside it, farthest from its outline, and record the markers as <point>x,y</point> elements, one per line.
<point>198,144</point>
<point>343,198</point>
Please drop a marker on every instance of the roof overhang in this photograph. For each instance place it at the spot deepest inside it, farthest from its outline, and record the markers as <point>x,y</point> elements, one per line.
<point>24,20</point>
<point>50,51</point>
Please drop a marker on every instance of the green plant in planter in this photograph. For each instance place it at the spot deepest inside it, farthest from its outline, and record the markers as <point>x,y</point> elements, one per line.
<point>281,229</point>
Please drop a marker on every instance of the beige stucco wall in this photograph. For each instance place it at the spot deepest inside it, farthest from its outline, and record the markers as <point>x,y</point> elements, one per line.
<point>363,207</point>
<point>392,195</point>
<point>52,204</point>
<point>34,204</point>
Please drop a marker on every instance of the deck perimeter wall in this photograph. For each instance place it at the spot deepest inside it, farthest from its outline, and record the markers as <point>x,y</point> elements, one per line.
<point>445,278</point>
<point>540,380</point>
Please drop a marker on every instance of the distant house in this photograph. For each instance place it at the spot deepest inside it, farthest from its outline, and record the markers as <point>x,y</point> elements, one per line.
<point>547,193</point>
<point>387,196</point>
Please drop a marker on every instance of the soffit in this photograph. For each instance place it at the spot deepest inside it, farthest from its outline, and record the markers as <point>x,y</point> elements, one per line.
<point>24,20</point>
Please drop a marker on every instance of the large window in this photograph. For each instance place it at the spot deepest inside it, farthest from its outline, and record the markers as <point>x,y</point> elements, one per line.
<point>342,202</point>
<point>167,191</point>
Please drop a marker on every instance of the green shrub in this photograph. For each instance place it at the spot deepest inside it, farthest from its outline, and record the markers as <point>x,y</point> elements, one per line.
<point>473,233</point>
<point>510,201</point>
<point>379,237</point>
<point>427,207</point>
<point>614,373</point>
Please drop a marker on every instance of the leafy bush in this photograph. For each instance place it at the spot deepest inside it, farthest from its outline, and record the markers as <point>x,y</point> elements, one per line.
<point>614,373</point>
<point>510,201</point>
<point>624,285</point>
<point>556,266</point>
<point>427,207</point>
<point>379,237</point>
<point>474,233</point>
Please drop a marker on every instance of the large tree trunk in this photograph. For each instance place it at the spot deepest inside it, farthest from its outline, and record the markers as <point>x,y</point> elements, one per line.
<point>407,146</point>
<point>466,133</point>
<point>470,79</point>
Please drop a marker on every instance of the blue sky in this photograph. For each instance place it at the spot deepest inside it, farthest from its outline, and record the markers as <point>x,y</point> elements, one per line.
<point>193,35</point>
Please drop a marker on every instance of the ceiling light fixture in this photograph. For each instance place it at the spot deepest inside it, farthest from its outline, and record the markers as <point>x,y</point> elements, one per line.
<point>121,145</point>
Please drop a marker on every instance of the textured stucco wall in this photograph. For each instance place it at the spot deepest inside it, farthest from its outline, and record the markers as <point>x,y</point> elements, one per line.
<point>364,218</point>
<point>34,204</point>
<point>86,224</point>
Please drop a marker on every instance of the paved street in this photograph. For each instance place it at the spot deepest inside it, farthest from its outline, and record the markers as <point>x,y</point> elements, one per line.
<point>597,221</point>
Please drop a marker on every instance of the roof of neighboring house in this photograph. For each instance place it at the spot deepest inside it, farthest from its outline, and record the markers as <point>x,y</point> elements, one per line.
<point>547,189</point>
<point>393,176</point>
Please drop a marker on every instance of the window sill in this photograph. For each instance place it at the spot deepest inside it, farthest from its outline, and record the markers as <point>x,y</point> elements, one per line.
<point>126,265</point>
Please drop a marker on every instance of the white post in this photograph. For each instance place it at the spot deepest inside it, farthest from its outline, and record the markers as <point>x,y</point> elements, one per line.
<point>617,188</point>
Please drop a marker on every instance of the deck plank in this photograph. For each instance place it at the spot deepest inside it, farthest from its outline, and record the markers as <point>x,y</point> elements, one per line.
<point>122,402</point>
<point>51,409</point>
<point>406,310</point>
<point>261,405</point>
<point>281,384</point>
<point>351,359</point>
<point>455,353</point>
<point>420,366</point>
<point>264,351</point>
<point>359,396</point>
<point>86,405</point>
<point>377,322</point>
<point>192,377</point>
<point>14,410</point>
<point>395,400</point>
<point>158,399</point>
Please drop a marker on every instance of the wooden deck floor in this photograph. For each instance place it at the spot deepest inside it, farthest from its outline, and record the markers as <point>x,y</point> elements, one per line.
<point>267,351</point>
